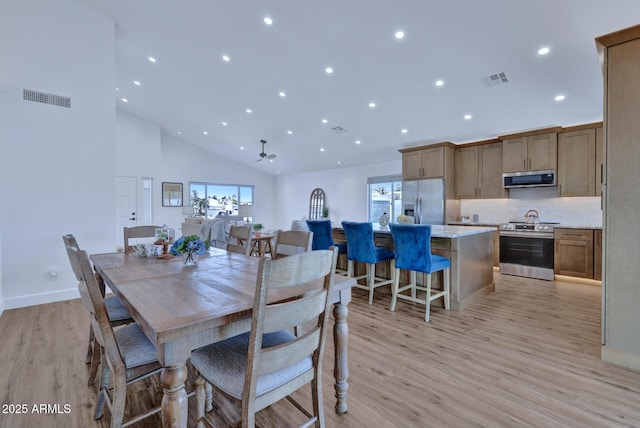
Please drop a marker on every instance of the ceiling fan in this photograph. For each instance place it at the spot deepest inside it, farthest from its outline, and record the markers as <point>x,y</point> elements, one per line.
<point>263,154</point>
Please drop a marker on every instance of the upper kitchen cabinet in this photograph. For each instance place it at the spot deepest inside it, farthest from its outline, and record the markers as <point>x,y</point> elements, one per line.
<point>619,53</point>
<point>577,161</point>
<point>479,170</point>
<point>426,161</point>
<point>530,151</point>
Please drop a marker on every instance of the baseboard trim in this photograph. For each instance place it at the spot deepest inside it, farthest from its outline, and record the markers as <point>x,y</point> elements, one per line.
<point>620,358</point>
<point>459,305</point>
<point>40,298</point>
<point>1,306</point>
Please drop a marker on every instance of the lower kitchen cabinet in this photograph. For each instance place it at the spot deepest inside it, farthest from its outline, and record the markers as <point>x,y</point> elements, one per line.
<point>597,255</point>
<point>574,252</point>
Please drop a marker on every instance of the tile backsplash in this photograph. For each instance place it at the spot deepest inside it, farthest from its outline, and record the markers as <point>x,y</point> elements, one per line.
<point>582,211</point>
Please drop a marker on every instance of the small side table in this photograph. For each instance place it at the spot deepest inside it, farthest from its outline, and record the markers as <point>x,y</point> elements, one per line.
<point>261,244</point>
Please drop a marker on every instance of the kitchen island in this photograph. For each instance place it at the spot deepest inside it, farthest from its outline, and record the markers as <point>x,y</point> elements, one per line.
<point>469,248</point>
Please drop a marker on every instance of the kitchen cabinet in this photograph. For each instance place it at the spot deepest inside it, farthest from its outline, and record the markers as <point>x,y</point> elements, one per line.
<point>524,152</point>
<point>620,56</point>
<point>577,161</point>
<point>479,171</point>
<point>426,161</point>
<point>597,255</point>
<point>573,253</point>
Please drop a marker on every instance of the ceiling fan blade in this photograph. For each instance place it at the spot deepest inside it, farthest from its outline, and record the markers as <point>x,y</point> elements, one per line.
<point>271,156</point>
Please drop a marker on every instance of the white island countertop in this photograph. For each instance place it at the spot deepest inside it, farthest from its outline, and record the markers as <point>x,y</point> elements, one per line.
<point>442,231</point>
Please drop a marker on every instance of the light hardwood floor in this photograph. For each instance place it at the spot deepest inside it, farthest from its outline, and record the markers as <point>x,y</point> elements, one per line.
<point>526,355</point>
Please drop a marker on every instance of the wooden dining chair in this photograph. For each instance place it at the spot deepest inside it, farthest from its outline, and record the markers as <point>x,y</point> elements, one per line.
<point>239,240</point>
<point>128,356</point>
<point>116,312</point>
<point>138,232</point>
<point>290,242</point>
<point>269,363</point>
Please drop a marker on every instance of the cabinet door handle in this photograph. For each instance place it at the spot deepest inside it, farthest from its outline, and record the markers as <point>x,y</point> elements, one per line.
<point>601,173</point>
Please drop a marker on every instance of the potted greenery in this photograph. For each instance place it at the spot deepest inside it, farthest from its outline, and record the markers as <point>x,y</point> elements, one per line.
<point>257,228</point>
<point>325,212</point>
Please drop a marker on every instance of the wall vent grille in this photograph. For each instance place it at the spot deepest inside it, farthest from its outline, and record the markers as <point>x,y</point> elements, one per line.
<point>338,129</point>
<point>44,98</point>
<point>495,80</point>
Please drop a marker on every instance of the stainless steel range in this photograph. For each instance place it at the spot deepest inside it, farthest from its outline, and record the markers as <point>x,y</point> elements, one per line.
<point>526,249</point>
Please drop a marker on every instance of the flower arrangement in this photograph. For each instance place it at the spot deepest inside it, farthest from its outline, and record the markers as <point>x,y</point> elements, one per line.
<point>192,246</point>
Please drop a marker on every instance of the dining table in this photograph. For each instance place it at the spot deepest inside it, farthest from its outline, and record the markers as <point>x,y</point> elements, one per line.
<point>181,308</point>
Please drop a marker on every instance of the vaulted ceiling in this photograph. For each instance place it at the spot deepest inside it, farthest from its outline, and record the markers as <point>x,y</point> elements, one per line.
<point>216,60</point>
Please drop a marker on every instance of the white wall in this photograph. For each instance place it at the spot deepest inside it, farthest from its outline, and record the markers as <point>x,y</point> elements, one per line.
<point>183,162</point>
<point>58,164</point>
<point>345,189</point>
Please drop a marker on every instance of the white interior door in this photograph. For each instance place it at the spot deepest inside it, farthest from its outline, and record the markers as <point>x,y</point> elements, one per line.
<point>126,206</point>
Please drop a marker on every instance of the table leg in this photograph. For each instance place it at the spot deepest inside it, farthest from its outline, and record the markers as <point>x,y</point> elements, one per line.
<point>340,369</point>
<point>174,401</point>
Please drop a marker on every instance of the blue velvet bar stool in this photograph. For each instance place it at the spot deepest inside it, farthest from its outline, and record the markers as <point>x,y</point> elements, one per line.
<point>323,238</point>
<point>360,248</point>
<point>412,244</point>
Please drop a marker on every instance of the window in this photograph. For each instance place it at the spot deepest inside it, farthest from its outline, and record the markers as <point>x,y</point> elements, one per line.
<point>210,199</point>
<point>385,196</point>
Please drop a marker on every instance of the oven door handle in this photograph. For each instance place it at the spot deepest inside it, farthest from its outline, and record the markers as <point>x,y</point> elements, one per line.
<point>527,234</point>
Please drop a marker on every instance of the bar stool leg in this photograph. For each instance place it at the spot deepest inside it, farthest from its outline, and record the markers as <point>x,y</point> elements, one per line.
<point>371,279</point>
<point>394,290</point>
<point>447,295</point>
<point>428,299</point>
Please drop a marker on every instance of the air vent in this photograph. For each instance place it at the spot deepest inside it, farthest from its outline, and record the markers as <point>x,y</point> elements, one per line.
<point>338,129</point>
<point>495,80</point>
<point>43,97</point>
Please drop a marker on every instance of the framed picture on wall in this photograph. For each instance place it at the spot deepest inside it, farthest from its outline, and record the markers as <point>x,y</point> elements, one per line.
<point>171,194</point>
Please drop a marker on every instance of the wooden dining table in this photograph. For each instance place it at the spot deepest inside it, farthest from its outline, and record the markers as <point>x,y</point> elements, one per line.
<point>181,308</point>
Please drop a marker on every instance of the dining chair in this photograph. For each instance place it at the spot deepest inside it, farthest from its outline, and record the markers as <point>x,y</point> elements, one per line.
<point>361,248</point>
<point>323,239</point>
<point>239,240</point>
<point>138,232</point>
<point>128,356</point>
<point>290,242</point>
<point>116,312</point>
<point>269,363</point>
<point>412,244</point>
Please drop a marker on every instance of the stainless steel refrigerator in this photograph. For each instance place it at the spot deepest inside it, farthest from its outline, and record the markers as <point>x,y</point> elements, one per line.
<point>424,199</point>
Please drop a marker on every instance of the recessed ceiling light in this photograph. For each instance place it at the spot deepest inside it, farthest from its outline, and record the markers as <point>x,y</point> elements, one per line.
<point>289,132</point>
<point>324,121</point>
<point>339,163</point>
<point>117,89</point>
<point>179,132</point>
<point>372,104</point>
<point>226,58</point>
<point>467,117</point>
<point>322,149</point>
<point>282,94</point>
<point>270,160</point>
<point>328,70</point>
<point>205,133</point>
<point>268,20</point>
<point>152,59</point>
<point>248,110</point>
<point>439,82</point>
<point>124,100</point>
<point>358,141</point>
<point>241,148</point>
<point>135,82</point>
<point>559,97</point>
<point>399,34</point>
<point>224,123</point>
<point>543,51</point>
<point>404,131</point>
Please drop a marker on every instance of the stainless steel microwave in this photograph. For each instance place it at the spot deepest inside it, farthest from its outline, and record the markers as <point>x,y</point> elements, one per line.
<point>546,178</point>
